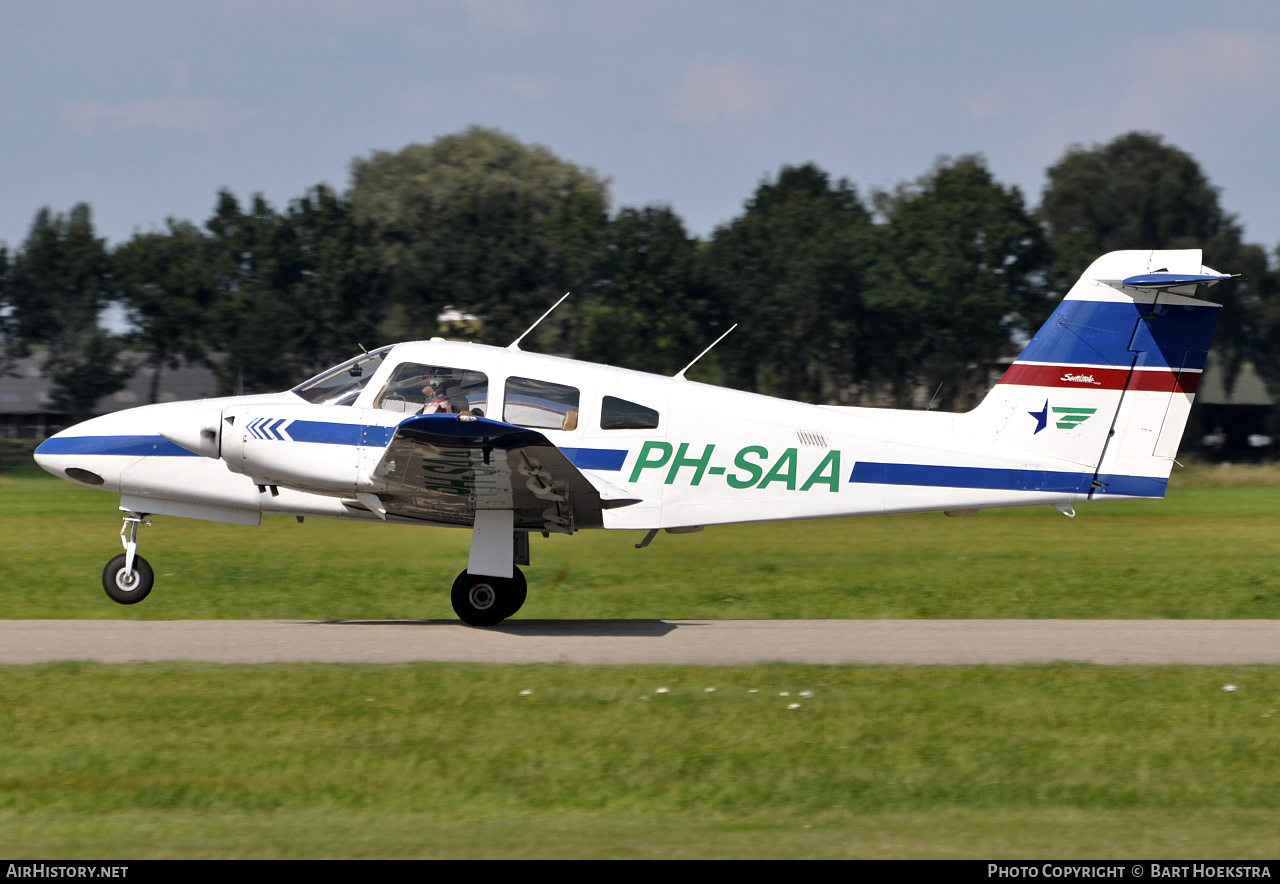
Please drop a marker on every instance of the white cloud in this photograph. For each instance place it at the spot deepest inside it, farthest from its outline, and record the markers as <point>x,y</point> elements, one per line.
<point>719,91</point>
<point>201,115</point>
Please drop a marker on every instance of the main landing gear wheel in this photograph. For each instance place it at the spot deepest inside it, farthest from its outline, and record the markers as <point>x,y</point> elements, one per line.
<point>127,587</point>
<point>487,601</point>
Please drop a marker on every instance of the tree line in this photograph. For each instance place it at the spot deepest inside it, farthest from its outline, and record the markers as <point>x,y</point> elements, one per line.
<point>840,296</point>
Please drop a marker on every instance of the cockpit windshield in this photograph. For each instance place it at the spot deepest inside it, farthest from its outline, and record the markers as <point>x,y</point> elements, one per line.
<point>341,385</point>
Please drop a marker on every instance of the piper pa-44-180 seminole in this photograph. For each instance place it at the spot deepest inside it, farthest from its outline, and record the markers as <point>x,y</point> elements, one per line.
<point>506,442</point>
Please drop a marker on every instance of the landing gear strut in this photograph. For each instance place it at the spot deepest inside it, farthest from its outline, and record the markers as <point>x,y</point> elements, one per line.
<point>128,578</point>
<point>487,601</point>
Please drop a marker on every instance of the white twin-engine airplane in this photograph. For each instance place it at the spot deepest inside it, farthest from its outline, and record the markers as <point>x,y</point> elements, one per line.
<point>506,442</point>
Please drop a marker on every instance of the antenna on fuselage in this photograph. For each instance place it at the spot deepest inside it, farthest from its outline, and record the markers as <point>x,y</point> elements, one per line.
<point>929,407</point>
<point>680,374</point>
<point>515,345</point>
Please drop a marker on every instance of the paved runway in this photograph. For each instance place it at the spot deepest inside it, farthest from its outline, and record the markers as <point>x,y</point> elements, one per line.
<point>710,642</point>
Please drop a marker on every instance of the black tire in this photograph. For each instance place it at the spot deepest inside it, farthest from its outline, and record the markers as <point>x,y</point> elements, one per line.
<point>123,590</point>
<point>487,601</point>
<point>517,592</point>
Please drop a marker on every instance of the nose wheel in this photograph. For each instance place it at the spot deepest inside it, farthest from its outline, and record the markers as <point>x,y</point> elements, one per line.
<point>487,601</point>
<point>128,577</point>
<point>127,586</point>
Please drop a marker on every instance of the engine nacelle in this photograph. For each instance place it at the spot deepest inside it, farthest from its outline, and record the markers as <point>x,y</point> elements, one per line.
<point>316,448</point>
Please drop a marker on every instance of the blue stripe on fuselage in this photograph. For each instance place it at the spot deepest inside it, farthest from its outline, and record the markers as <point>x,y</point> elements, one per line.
<point>986,478</point>
<point>118,446</point>
<point>321,432</point>
<point>1103,332</point>
<point>328,433</point>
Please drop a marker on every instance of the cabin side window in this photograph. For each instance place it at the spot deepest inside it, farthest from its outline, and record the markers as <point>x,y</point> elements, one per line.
<point>540,404</point>
<point>619,414</point>
<point>416,388</point>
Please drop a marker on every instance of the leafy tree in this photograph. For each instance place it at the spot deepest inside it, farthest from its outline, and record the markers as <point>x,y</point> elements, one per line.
<point>59,281</point>
<point>340,283</point>
<point>481,222</point>
<point>168,290</point>
<point>294,292</point>
<point>789,270</point>
<point>57,285</point>
<point>1135,192</point>
<point>650,311</point>
<point>8,318</point>
<point>959,267</point>
<point>259,317</point>
<point>82,374</point>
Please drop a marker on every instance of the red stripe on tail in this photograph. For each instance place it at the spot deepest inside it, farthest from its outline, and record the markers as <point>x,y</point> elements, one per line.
<point>1092,377</point>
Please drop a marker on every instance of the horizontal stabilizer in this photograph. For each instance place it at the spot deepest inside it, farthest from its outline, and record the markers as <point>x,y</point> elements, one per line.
<point>1174,283</point>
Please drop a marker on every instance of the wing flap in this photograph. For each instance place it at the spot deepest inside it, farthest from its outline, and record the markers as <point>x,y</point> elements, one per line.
<point>442,468</point>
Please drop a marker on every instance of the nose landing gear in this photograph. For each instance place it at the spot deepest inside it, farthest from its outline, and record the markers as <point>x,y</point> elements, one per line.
<point>128,578</point>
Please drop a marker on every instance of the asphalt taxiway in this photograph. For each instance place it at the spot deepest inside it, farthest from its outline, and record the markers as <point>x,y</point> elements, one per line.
<point>704,642</point>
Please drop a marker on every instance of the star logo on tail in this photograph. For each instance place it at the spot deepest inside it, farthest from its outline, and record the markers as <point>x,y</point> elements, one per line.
<point>1041,416</point>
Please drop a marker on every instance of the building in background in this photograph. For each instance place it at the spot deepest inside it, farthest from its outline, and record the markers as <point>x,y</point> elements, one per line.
<point>26,403</point>
<point>1235,424</point>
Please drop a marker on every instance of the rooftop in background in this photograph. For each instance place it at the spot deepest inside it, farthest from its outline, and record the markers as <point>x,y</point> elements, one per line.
<point>26,406</point>
<point>1248,389</point>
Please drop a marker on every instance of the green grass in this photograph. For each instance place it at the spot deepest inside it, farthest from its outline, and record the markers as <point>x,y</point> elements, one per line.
<point>1211,550</point>
<point>450,760</point>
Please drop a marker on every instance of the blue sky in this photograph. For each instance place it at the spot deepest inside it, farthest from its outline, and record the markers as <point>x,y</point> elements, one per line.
<point>145,109</point>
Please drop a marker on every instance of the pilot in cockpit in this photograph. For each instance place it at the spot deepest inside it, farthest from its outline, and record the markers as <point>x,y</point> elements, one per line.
<point>435,393</point>
<point>442,393</point>
<point>431,389</point>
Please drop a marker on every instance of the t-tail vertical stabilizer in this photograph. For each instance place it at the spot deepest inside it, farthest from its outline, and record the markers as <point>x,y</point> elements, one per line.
<point>1107,382</point>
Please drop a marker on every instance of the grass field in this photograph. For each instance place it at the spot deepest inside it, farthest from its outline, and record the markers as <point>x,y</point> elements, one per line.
<point>452,760</point>
<point>1211,549</point>
<point>445,760</point>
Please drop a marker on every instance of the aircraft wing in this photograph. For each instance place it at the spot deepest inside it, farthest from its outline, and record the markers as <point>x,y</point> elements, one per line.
<point>443,467</point>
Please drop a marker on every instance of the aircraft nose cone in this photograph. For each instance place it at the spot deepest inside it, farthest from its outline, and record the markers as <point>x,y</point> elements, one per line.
<point>51,454</point>
<point>75,453</point>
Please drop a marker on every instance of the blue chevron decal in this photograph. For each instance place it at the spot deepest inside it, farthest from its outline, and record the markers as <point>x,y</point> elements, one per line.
<point>264,428</point>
